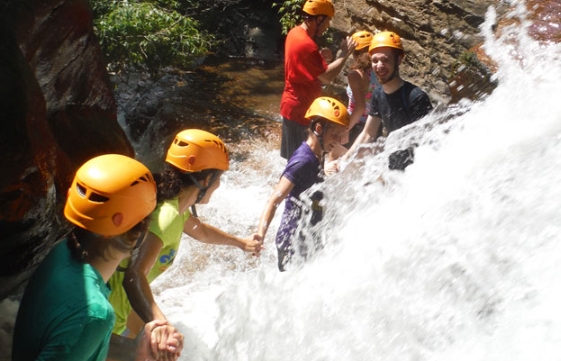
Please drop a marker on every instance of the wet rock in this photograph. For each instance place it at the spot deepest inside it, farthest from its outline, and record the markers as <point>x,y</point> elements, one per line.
<point>58,111</point>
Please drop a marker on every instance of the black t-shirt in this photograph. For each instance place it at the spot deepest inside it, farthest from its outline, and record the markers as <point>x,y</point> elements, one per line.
<point>404,106</point>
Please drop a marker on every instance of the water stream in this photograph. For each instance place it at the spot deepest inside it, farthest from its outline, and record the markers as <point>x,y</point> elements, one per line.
<point>457,258</point>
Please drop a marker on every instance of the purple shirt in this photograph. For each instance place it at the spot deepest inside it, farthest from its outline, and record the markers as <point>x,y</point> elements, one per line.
<point>302,170</point>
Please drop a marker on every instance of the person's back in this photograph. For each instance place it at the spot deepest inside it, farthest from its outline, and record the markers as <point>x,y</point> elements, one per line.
<point>361,82</point>
<point>372,84</point>
<point>65,301</point>
<point>302,66</point>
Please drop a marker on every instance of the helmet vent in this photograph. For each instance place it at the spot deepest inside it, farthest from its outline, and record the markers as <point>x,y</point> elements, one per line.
<point>81,190</point>
<point>98,198</point>
<point>218,144</point>
<point>144,178</point>
<point>181,143</point>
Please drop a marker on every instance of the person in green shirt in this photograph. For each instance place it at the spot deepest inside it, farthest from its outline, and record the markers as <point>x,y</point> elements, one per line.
<point>194,164</point>
<point>65,314</point>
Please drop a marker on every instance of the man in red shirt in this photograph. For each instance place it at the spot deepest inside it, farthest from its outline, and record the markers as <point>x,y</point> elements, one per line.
<point>305,70</point>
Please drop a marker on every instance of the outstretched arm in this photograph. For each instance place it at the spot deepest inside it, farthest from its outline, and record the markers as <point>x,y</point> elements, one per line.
<point>208,234</point>
<point>367,135</point>
<point>281,191</point>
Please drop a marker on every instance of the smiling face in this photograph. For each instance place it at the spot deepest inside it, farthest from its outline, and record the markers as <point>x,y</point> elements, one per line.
<point>385,64</point>
<point>332,135</point>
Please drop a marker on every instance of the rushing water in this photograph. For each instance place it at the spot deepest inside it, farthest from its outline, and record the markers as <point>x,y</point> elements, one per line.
<point>457,258</point>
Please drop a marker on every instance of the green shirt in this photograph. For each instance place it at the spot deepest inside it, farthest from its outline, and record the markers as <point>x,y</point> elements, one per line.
<point>167,223</point>
<point>64,314</point>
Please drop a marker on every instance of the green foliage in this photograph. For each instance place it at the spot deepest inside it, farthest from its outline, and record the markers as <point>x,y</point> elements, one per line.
<point>292,15</point>
<point>468,60</point>
<point>144,35</point>
<point>469,78</point>
<point>290,11</point>
<point>102,7</point>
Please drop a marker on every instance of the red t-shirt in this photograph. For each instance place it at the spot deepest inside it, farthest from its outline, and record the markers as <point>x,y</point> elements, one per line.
<point>302,65</point>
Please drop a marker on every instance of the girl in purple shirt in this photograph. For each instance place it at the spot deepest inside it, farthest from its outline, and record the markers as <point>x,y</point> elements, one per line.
<point>329,121</point>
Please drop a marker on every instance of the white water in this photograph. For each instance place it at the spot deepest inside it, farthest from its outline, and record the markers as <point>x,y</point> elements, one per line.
<point>458,258</point>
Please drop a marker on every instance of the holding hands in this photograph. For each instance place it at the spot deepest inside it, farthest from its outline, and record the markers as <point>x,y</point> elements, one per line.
<point>159,341</point>
<point>253,244</point>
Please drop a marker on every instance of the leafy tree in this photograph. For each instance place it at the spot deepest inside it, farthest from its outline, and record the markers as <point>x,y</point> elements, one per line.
<point>146,35</point>
<point>291,13</point>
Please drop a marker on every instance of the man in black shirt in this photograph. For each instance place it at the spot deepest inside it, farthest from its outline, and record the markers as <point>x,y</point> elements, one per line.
<point>396,103</point>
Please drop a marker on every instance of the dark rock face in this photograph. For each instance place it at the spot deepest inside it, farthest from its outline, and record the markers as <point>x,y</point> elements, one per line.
<point>58,111</point>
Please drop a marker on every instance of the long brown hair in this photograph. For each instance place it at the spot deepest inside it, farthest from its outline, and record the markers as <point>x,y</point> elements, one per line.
<point>362,60</point>
<point>171,181</point>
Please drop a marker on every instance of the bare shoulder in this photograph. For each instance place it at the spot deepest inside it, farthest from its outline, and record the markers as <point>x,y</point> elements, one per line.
<point>355,75</point>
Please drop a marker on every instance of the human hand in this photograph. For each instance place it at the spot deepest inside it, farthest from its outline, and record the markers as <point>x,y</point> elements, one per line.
<point>327,54</point>
<point>331,168</point>
<point>253,244</point>
<point>169,341</point>
<point>159,341</point>
<point>347,46</point>
<point>258,237</point>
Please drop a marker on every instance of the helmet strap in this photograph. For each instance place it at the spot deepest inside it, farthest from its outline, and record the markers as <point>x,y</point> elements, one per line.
<point>139,241</point>
<point>320,136</point>
<point>202,190</point>
<point>318,24</point>
<point>194,211</point>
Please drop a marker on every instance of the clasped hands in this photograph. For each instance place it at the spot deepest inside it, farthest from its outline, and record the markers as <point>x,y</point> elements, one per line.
<point>159,341</point>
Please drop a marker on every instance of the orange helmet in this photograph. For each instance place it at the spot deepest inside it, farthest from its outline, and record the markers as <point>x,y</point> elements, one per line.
<point>195,150</point>
<point>362,38</point>
<point>330,109</point>
<point>386,39</point>
<point>319,7</point>
<point>107,185</point>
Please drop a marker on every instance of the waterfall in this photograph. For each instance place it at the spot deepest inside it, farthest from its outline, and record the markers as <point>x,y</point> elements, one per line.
<point>456,258</point>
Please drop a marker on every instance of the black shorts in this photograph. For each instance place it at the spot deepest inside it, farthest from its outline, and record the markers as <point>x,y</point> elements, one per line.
<point>293,134</point>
